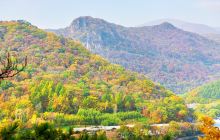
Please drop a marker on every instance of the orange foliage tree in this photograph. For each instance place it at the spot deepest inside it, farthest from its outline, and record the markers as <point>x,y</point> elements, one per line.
<point>211,132</point>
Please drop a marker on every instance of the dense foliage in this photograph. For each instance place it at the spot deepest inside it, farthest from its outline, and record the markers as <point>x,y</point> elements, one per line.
<point>65,82</point>
<point>206,99</point>
<point>91,117</point>
<point>141,131</point>
<point>45,131</point>
<point>209,130</point>
<point>177,59</point>
<point>145,132</point>
<point>204,94</point>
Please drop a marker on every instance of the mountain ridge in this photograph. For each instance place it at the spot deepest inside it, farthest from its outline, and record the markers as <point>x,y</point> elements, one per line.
<point>179,60</point>
<point>209,32</point>
<point>63,79</point>
<point>187,26</point>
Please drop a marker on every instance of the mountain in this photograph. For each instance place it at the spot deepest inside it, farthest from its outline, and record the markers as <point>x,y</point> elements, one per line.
<point>215,37</point>
<point>177,59</point>
<point>204,30</point>
<point>66,84</point>
<point>187,26</point>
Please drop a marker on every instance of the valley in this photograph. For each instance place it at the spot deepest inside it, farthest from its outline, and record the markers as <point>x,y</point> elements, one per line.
<point>97,80</point>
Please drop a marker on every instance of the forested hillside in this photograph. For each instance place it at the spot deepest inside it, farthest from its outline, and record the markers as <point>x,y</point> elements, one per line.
<point>66,84</point>
<point>177,59</point>
<point>204,94</point>
<point>206,98</point>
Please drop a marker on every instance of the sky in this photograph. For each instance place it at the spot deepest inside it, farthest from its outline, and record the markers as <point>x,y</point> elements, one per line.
<point>60,13</point>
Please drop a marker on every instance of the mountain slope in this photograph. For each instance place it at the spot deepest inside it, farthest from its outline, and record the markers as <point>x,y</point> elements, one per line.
<point>204,94</point>
<point>191,27</point>
<point>204,30</point>
<point>64,81</point>
<point>215,37</point>
<point>177,59</point>
<point>206,99</point>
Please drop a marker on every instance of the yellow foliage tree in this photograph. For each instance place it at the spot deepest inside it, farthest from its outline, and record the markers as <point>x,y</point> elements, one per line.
<point>211,132</point>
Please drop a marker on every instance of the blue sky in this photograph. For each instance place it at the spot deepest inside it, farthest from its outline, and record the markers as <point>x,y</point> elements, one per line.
<point>60,13</point>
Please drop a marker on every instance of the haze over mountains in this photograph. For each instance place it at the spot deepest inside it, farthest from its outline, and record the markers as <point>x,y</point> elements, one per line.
<point>187,26</point>
<point>218,29</point>
<point>205,30</point>
<point>178,59</point>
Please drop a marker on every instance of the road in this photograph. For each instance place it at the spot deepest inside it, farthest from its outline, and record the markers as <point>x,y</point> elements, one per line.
<point>108,128</point>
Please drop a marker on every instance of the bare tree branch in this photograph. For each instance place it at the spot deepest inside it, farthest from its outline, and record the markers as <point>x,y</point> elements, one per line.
<point>11,68</point>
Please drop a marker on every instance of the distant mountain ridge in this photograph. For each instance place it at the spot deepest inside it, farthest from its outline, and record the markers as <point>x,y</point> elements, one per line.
<point>187,26</point>
<point>212,33</point>
<point>178,59</point>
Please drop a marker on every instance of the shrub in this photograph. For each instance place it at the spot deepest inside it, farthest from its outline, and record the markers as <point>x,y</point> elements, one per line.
<point>129,115</point>
<point>5,84</point>
<point>111,121</point>
<point>8,131</point>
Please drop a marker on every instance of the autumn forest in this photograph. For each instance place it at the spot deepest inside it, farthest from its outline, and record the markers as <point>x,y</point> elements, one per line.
<point>97,80</point>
